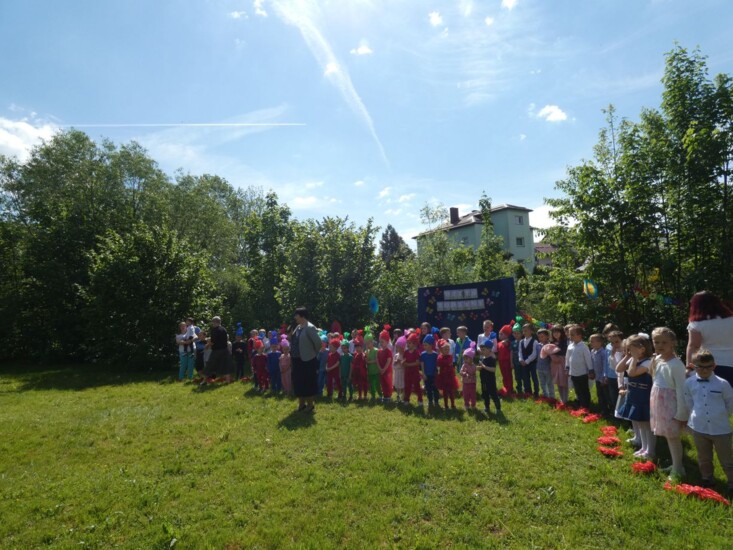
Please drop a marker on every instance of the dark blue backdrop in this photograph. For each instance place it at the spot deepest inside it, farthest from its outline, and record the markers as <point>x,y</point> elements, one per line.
<point>468,304</point>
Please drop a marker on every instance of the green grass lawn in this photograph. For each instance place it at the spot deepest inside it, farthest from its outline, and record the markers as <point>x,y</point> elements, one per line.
<point>139,461</point>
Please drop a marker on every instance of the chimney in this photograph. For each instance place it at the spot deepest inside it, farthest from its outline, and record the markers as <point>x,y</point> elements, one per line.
<point>453,216</point>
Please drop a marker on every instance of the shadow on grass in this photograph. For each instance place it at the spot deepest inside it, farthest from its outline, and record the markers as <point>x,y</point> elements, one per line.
<point>297,420</point>
<point>23,378</point>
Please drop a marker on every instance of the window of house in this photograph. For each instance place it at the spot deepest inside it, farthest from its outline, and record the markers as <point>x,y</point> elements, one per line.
<point>519,220</point>
<point>520,241</point>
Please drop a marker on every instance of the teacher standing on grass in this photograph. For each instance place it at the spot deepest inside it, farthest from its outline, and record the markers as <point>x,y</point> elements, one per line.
<point>304,350</point>
<point>711,327</point>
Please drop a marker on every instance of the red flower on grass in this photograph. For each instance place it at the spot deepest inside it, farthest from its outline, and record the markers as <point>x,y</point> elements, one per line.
<point>561,406</point>
<point>609,430</point>
<point>610,452</point>
<point>700,492</point>
<point>592,418</point>
<point>579,412</point>
<point>609,440</point>
<point>647,467</point>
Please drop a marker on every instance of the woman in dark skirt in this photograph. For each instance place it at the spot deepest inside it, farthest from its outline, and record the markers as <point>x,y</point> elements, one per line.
<point>304,350</point>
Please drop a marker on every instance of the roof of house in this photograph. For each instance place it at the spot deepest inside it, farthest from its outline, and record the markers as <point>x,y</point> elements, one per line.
<point>471,218</point>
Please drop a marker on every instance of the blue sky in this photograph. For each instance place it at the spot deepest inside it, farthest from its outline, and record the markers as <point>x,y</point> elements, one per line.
<point>395,103</point>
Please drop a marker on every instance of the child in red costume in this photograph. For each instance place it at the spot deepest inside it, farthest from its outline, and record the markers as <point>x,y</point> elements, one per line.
<point>333,373</point>
<point>359,369</point>
<point>384,362</point>
<point>259,364</point>
<point>504,358</point>
<point>446,374</point>
<point>411,363</point>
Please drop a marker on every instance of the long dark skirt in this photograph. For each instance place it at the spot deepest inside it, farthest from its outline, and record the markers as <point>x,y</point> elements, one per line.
<point>305,377</point>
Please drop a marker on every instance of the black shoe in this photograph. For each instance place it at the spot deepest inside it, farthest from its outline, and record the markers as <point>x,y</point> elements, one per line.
<point>706,483</point>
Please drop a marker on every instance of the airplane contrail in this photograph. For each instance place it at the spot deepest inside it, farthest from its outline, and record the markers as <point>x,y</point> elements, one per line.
<point>186,125</point>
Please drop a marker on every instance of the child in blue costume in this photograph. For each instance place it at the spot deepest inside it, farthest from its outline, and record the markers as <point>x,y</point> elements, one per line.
<point>429,366</point>
<point>273,365</point>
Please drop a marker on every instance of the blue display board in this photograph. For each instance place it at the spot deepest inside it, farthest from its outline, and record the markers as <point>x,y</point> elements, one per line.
<point>468,304</point>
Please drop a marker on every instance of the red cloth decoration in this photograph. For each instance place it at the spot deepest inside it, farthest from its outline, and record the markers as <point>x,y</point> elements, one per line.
<point>647,467</point>
<point>610,452</point>
<point>578,413</point>
<point>700,492</point>
<point>609,440</point>
<point>592,418</point>
<point>609,430</point>
<point>387,327</point>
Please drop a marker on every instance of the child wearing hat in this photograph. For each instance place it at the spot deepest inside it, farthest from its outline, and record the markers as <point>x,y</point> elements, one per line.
<point>322,360</point>
<point>273,365</point>
<point>286,367</point>
<point>411,364</point>
<point>446,380</point>
<point>372,367</point>
<point>398,367</point>
<point>333,374</point>
<point>345,368</point>
<point>359,369</point>
<point>259,364</point>
<point>429,367</point>
<point>384,361</point>
<point>504,357</point>
<point>468,376</point>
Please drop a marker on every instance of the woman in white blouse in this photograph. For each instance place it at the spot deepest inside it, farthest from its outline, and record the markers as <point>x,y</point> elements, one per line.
<point>711,327</point>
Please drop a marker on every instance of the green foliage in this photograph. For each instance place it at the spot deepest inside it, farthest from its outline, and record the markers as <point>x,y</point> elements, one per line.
<point>147,267</point>
<point>649,216</point>
<point>331,270</point>
<point>392,247</point>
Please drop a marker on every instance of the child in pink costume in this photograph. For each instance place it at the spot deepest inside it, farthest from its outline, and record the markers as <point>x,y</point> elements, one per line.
<point>285,367</point>
<point>468,375</point>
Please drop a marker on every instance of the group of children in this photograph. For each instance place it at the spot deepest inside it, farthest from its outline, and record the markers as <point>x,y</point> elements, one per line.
<point>638,378</point>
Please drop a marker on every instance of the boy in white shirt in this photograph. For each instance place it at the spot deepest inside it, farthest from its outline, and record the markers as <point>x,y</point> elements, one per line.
<point>578,363</point>
<point>710,400</point>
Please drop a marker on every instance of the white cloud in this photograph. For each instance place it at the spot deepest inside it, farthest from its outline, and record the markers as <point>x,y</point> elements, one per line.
<point>259,9</point>
<point>435,18</point>
<point>406,198</point>
<point>363,49</point>
<point>552,113</point>
<point>466,7</point>
<point>18,137</point>
<point>385,192</point>
<point>313,184</point>
<point>509,4</point>
<point>331,68</point>
<point>304,15</point>
<point>238,14</point>
<point>489,21</point>
<point>522,137</point>
<point>358,183</point>
<point>393,211</point>
<point>303,202</point>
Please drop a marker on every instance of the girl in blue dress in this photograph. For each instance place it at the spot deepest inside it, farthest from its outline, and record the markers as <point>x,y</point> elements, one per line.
<point>636,408</point>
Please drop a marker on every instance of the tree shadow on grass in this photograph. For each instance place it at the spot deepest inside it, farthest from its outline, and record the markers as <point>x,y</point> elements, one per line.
<point>22,378</point>
<point>297,420</point>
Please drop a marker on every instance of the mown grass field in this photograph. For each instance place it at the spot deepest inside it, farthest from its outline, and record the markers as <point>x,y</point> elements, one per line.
<point>95,460</point>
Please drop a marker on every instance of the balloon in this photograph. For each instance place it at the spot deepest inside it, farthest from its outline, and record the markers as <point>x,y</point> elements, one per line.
<point>373,305</point>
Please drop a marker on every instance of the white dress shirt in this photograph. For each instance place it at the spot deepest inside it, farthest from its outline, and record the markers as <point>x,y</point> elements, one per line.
<point>711,403</point>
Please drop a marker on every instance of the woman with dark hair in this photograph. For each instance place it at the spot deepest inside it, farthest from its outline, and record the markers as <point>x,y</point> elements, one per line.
<point>304,349</point>
<point>711,327</point>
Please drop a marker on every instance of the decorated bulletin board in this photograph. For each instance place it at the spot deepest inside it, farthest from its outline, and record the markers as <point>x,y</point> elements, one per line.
<point>468,304</point>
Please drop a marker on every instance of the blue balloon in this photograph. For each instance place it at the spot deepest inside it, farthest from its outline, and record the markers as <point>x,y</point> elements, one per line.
<point>373,305</point>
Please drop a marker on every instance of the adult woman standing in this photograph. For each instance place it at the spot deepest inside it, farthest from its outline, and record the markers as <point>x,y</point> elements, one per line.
<point>304,353</point>
<point>711,327</point>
